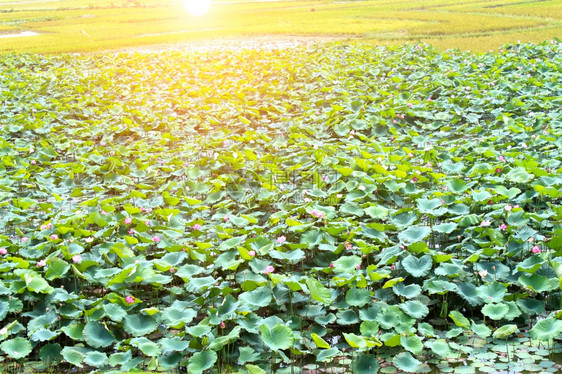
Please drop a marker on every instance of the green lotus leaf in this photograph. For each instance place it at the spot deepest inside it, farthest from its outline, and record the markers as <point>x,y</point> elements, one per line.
<point>369,328</point>
<point>50,353</point>
<point>257,298</point>
<point>247,354</point>
<point>459,319</point>
<point>414,234</point>
<point>73,355</point>
<point>418,267</point>
<point>454,332</point>
<point>546,329</point>
<point>537,283</point>
<point>531,306</point>
<point>319,342</point>
<point>439,347</point>
<point>457,186</point>
<point>481,330</point>
<point>377,212</point>
<point>414,309</point>
<point>410,291</point>
<point>347,317</point>
<point>388,319</point>
<point>356,341</point>
<point>278,338</point>
<point>115,312</point>
<point>519,175</point>
<point>445,228</point>
<point>291,257</point>
<point>491,292</point>
<point>347,264</point>
<point>173,344</point>
<point>530,264</point>
<point>254,369</point>
<point>43,335</point>
<point>57,268</point>
<point>366,364</point>
<point>96,359</point>
<point>327,354</point>
<point>426,329</point>
<point>97,335</point>
<point>74,331</point>
<point>176,316</point>
<point>318,292</point>
<point>147,347</point>
<point>505,331</point>
<point>16,348</point>
<point>139,324</point>
<point>469,293</point>
<point>412,343</point>
<point>198,330</point>
<point>513,312</point>
<point>200,285</point>
<point>406,362</point>
<point>358,296</point>
<point>440,287</point>
<point>495,311</point>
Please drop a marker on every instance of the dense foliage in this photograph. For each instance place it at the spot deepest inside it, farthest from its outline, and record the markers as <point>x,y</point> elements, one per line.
<point>259,209</point>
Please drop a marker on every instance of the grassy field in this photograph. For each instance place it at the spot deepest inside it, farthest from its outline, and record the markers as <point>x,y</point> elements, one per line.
<point>88,25</point>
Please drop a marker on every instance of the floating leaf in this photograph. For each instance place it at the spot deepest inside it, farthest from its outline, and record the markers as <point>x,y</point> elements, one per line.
<point>201,361</point>
<point>278,338</point>
<point>418,267</point>
<point>406,362</point>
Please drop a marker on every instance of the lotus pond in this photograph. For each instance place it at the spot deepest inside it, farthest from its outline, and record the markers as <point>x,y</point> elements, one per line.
<point>315,209</point>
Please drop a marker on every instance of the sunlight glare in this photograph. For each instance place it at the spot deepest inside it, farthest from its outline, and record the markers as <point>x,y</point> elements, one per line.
<point>197,7</point>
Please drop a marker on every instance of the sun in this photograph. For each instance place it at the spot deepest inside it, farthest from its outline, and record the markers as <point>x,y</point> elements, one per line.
<point>197,7</point>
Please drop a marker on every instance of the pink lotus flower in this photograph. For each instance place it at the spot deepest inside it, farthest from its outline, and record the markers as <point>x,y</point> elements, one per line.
<point>415,179</point>
<point>103,212</point>
<point>508,207</point>
<point>196,226</point>
<point>222,325</point>
<point>536,249</point>
<point>317,214</point>
<point>131,231</point>
<point>501,158</point>
<point>362,188</point>
<point>156,239</point>
<point>41,263</point>
<point>225,218</point>
<point>89,239</point>
<point>128,220</point>
<point>331,264</point>
<point>358,267</point>
<point>485,223</point>
<point>147,223</point>
<point>269,269</point>
<point>483,273</point>
<point>172,270</point>
<point>3,251</point>
<point>348,246</point>
<point>281,239</point>
<point>252,253</point>
<point>503,226</point>
<point>24,239</point>
<point>76,259</point>
<point>498,170</point>
<point>54,236</point>
<point>129,299</point>
<point>33,162</point>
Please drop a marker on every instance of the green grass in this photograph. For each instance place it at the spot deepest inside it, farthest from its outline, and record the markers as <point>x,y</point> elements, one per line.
<point>88,26</point>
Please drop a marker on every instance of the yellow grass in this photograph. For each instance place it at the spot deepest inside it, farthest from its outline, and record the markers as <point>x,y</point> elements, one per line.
<point>94,25</point>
